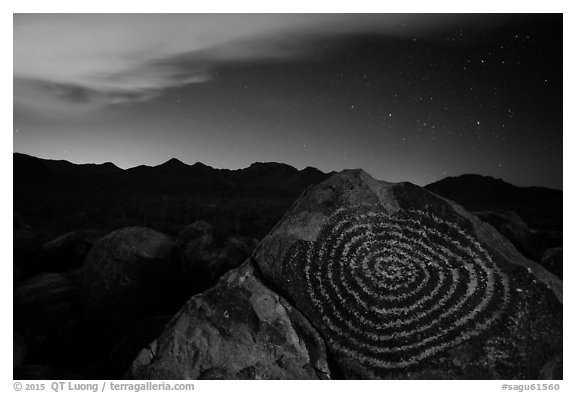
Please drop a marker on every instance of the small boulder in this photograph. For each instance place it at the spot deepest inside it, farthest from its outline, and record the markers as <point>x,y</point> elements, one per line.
<point>69,250</point>
<point>196,236</point>
<point>207,256</point>
<point>127,275</point>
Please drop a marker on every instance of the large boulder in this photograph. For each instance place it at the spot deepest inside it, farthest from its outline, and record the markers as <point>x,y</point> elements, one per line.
<point>68,250</point>
<point>206,256</point>
<point>402,283</point>
<point>127,275</point>
<point>238,329</point>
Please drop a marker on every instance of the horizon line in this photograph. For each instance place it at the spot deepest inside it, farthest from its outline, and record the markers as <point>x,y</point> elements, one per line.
<point>281,163</point>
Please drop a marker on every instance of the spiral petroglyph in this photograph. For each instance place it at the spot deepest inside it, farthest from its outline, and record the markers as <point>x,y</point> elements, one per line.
<point>393,290</point>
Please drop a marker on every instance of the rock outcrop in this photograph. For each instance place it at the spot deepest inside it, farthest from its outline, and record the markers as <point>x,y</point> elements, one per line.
<point>239,329</point>
<point>401,283</point>
<point>127,275</point>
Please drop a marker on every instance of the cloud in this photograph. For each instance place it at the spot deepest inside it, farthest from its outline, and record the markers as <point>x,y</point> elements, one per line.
<point>83,62</point>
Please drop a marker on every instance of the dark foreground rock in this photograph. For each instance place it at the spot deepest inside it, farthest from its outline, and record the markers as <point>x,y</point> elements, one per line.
<point>19,350</point>
<point>239,329</point>
<point>128,274</point>
<point>401,283</point>
<point>136,337</point>
<point>45,315</point>
<point>33,371</point>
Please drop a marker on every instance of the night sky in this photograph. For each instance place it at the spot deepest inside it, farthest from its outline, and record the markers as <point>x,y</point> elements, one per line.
<point>405,97</point>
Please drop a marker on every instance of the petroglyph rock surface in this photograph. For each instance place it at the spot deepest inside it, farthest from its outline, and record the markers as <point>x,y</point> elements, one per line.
<point>402,283</point>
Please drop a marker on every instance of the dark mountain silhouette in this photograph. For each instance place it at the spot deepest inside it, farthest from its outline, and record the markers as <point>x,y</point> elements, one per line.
<point>539,207</point>
<point>58,195</point>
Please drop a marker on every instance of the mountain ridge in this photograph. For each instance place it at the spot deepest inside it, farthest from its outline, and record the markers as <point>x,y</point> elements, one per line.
<point>175,162</point>
<point>540,207</point>
<point>172,162</point>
